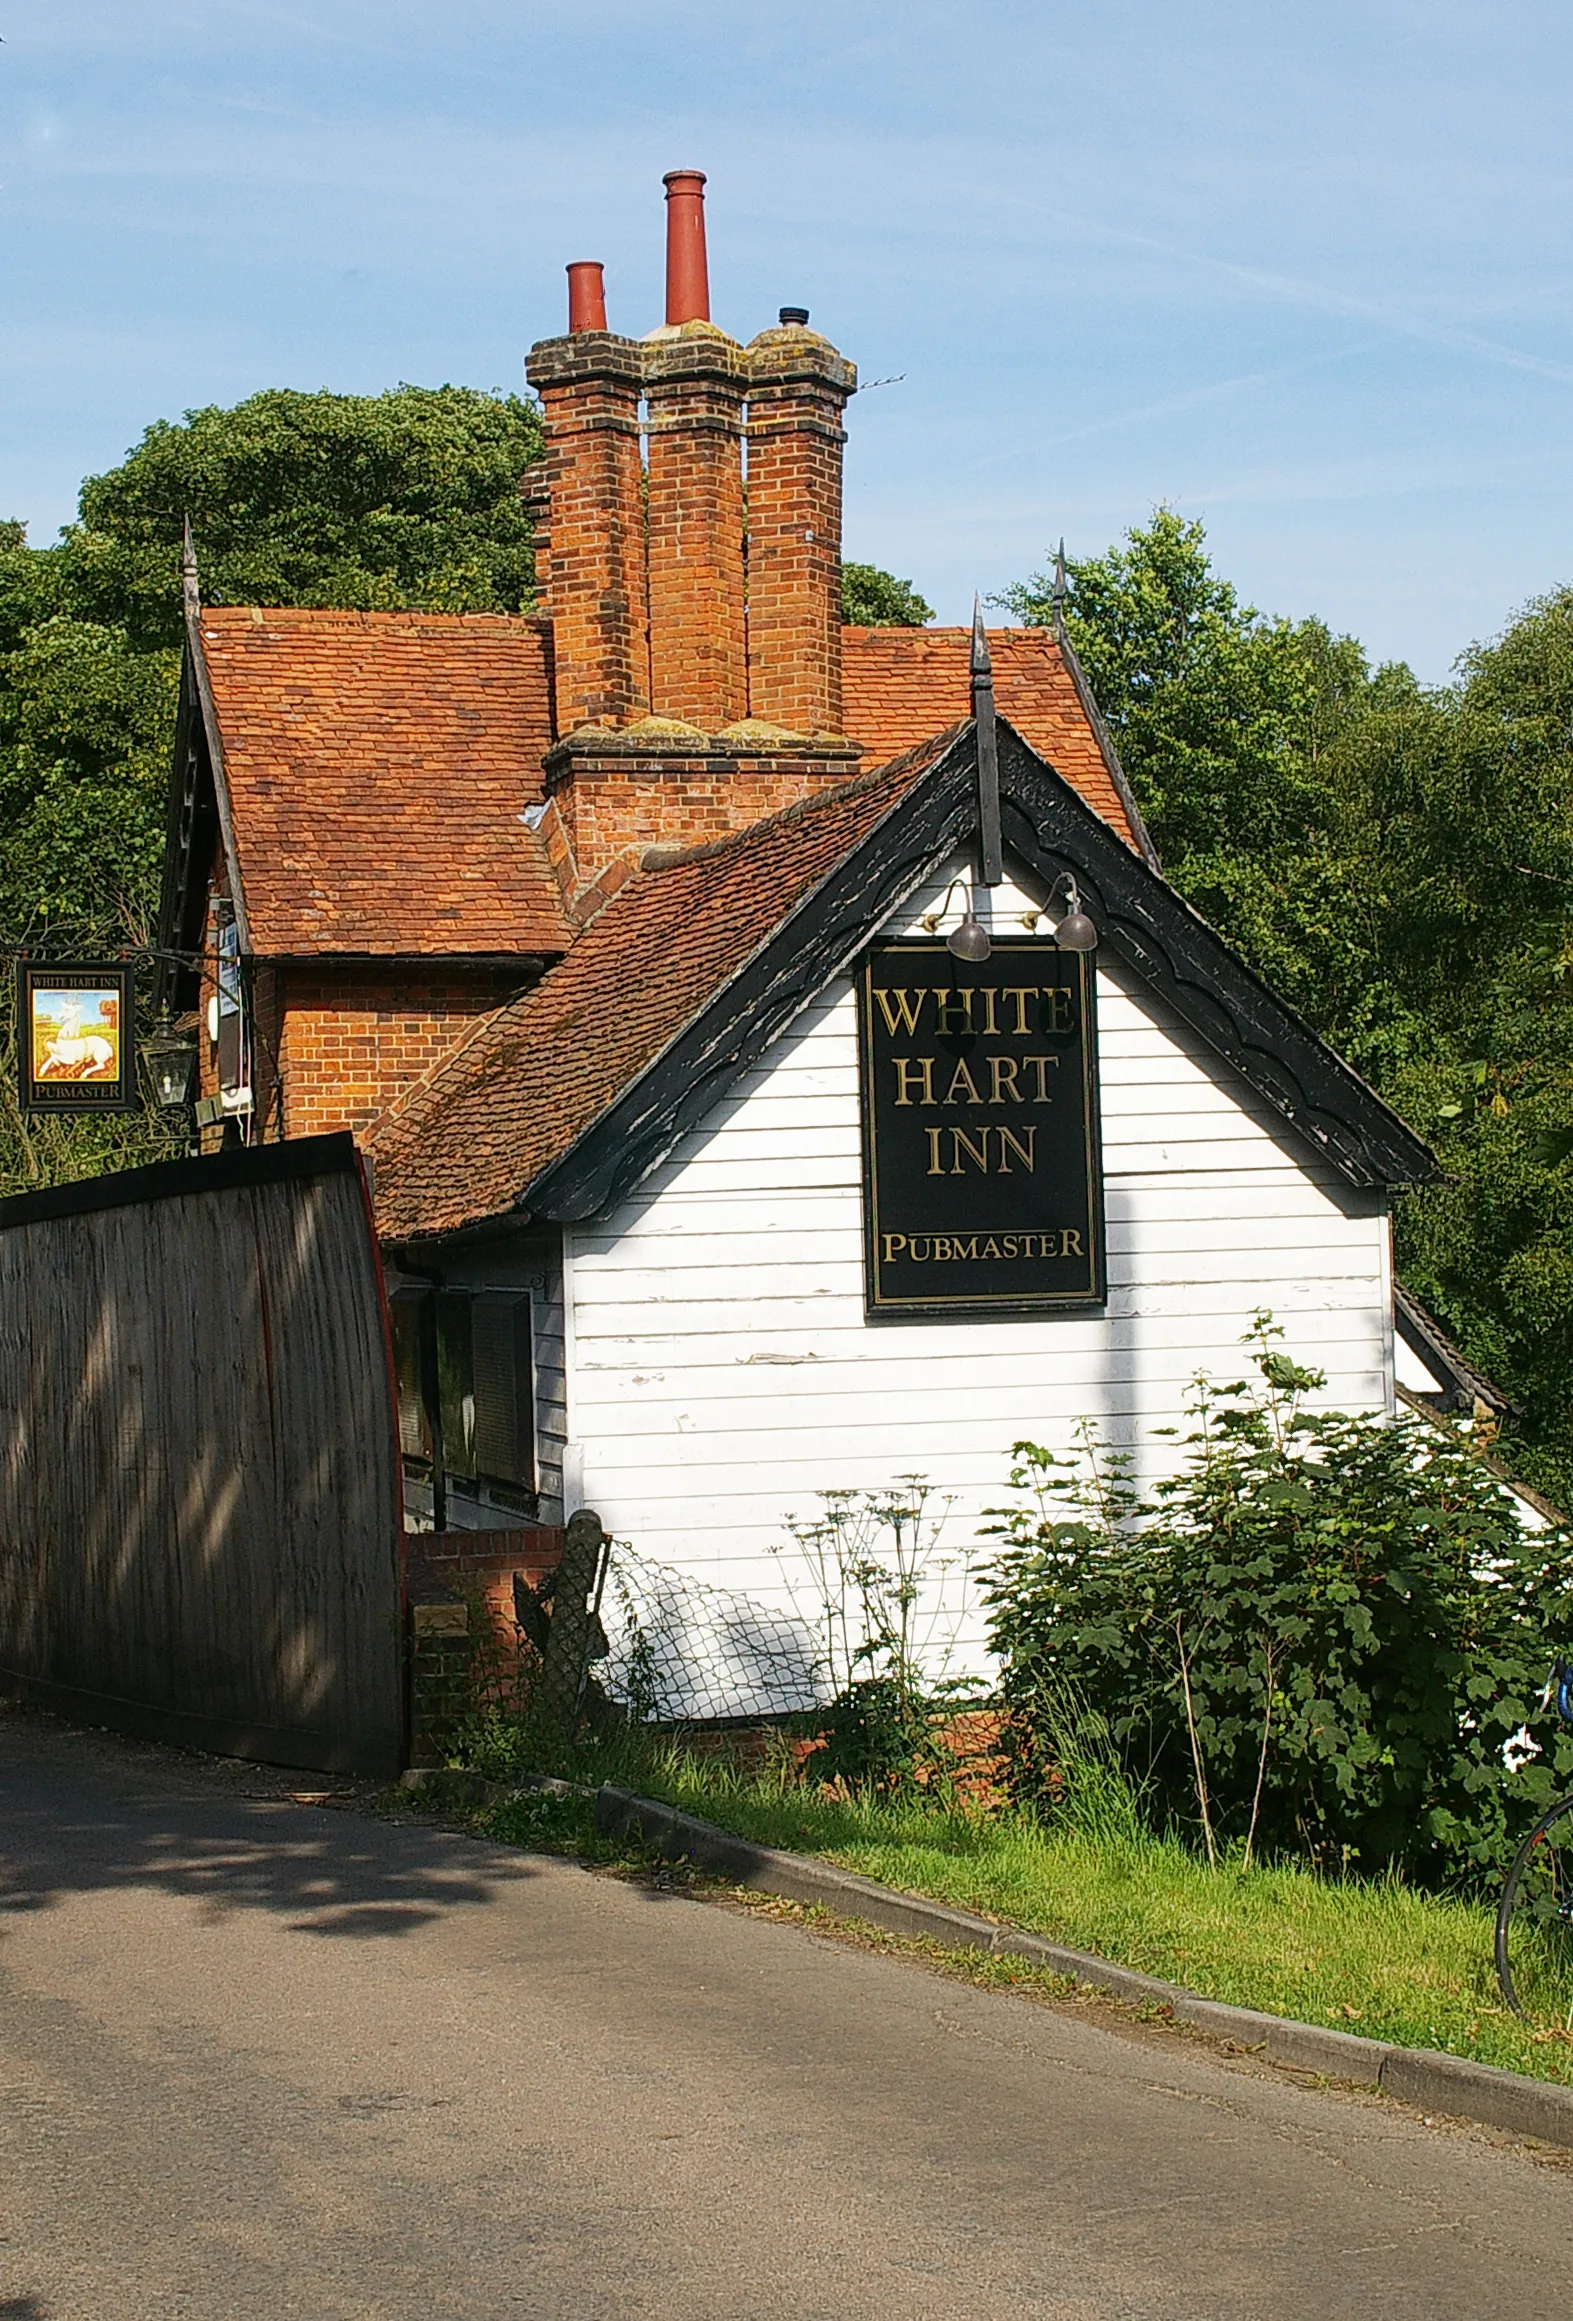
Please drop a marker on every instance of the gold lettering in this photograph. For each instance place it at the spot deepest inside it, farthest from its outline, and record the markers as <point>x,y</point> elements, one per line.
<point>906,1067</point>
<point>979,1152</point>
<point>990,1027</point>
<point>1040,1064</point>
<point>935,1168</point>
<point>918,1249</point>
<point>893,1242</point>
<point>1002,1072</point>
<point>1070,1244</point>
<point>967,1248</point>
<point>1024,1152</point>
<point>961,1077</point>
<point>948,1003</point>
<point>1062,1016</point>
<point>901,1009</point>
<point>991,1247</point>
<point>1020,993</point>
<point>1012,1244</point>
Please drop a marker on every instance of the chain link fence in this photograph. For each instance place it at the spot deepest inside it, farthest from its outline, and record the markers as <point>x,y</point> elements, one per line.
<point>681,1651</point>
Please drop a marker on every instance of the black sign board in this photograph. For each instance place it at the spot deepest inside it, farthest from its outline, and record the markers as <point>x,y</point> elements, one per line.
<point>76,1044</point>
<point>983,1192</point>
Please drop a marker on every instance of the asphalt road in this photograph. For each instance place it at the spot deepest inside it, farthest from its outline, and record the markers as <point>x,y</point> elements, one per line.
<point>260,2059</point>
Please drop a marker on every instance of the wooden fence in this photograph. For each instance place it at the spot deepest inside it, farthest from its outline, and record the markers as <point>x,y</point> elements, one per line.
<point>199,1481</point>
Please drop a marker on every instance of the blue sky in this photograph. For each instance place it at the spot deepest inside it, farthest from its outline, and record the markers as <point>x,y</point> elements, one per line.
<point>1300,270</point>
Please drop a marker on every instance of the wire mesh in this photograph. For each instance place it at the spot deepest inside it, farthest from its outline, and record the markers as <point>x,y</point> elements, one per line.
<point>680,1650</point>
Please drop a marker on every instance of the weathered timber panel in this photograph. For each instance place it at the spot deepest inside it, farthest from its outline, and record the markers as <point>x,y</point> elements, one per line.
<point>199,1500</point>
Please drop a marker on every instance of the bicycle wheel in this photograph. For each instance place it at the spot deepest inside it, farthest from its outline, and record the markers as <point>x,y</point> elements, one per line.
<point>1535,1923</point>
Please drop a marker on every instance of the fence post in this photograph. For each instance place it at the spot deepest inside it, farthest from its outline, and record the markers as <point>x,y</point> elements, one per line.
<point>569,1637</point>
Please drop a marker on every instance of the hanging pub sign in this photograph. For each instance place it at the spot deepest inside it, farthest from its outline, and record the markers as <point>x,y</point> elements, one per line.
<point>983,1191</point>
<point>75,1037</point>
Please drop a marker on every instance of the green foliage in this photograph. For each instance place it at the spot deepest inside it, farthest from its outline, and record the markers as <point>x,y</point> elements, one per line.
<point>871,599</point>
<point>377,502</point>
<point>1326,1636</point>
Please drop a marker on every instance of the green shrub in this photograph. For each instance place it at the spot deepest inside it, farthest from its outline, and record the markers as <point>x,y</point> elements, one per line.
<point>1326,1636</point>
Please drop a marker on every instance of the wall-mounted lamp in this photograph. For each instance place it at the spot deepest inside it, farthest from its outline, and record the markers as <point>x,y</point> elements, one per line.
<point>1075,931</point>
<point>969,941</point>
<point>171,1060</point>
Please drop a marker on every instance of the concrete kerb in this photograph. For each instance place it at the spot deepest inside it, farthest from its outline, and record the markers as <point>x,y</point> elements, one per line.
<point>1431,2081</point>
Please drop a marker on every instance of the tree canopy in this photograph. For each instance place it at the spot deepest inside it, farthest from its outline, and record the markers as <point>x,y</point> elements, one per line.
<point>871,599</point>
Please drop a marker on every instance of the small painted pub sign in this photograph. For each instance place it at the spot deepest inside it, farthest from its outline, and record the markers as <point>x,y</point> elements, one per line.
<point>983,1190</point>
<point>76,1042</point>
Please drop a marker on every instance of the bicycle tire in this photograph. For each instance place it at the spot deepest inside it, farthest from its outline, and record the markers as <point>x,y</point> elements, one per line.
<point>1534,1933</point>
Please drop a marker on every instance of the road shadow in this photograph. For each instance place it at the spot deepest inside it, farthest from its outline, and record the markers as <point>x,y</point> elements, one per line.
<point>83,1813</point>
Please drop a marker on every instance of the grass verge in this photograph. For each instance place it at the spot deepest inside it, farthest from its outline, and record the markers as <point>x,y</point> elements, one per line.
<point>1378,1958</point>
<point>1375,1957</point>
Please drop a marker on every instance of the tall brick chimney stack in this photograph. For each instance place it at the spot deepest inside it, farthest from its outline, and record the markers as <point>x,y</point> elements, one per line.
<point>594,585</point>
<point>695,381</point>
<point>692,700</point>
<point>798,389</point>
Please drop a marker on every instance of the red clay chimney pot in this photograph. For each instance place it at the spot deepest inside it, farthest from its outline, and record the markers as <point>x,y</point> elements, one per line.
<point>586,295</point>
<point>687,275</point>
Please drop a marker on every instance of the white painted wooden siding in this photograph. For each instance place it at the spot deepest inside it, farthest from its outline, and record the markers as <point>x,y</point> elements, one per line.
<point>723,1370</point>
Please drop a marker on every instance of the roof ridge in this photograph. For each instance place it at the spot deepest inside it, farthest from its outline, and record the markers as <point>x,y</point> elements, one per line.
<point>393,615</point>
<point>659,858</point>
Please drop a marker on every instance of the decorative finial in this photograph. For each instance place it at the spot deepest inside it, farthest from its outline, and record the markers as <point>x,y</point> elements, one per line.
<point>1061,585</point>
<point>988,752</point>
<point>982,666</point>
<point>190,593</point>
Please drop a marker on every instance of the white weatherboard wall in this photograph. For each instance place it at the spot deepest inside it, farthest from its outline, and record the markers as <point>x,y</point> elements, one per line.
<point>723,1371</point>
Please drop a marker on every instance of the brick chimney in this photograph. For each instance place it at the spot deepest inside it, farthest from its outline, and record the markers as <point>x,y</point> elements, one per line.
<point>593,585</point>
<point>798,388</point>
<point>695,380</point>
<point>692,699</point>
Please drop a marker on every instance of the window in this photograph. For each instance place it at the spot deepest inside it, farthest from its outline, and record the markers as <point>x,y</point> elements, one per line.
<point>229,1025</point>
<point>464,1364</point>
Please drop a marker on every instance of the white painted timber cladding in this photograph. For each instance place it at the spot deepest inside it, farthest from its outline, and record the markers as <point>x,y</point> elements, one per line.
<point>723,1372</point>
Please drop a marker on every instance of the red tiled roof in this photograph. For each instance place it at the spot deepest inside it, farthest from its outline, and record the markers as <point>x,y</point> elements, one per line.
<point>377,766</point>
<point>378,763</point>
<point>468,1142</point>
<point>902,685</point>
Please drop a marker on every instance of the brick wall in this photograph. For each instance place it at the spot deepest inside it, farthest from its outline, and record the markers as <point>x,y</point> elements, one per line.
<point>355,1035</point>
<point>614,795</point>
<point>453,1673</point>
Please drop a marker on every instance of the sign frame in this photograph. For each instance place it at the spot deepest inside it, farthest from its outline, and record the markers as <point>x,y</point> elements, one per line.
<point>39,1091</point>
<point>1081,1287</point>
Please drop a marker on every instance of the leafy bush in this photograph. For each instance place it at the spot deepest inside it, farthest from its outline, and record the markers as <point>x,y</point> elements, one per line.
<point>1325,1636</point>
